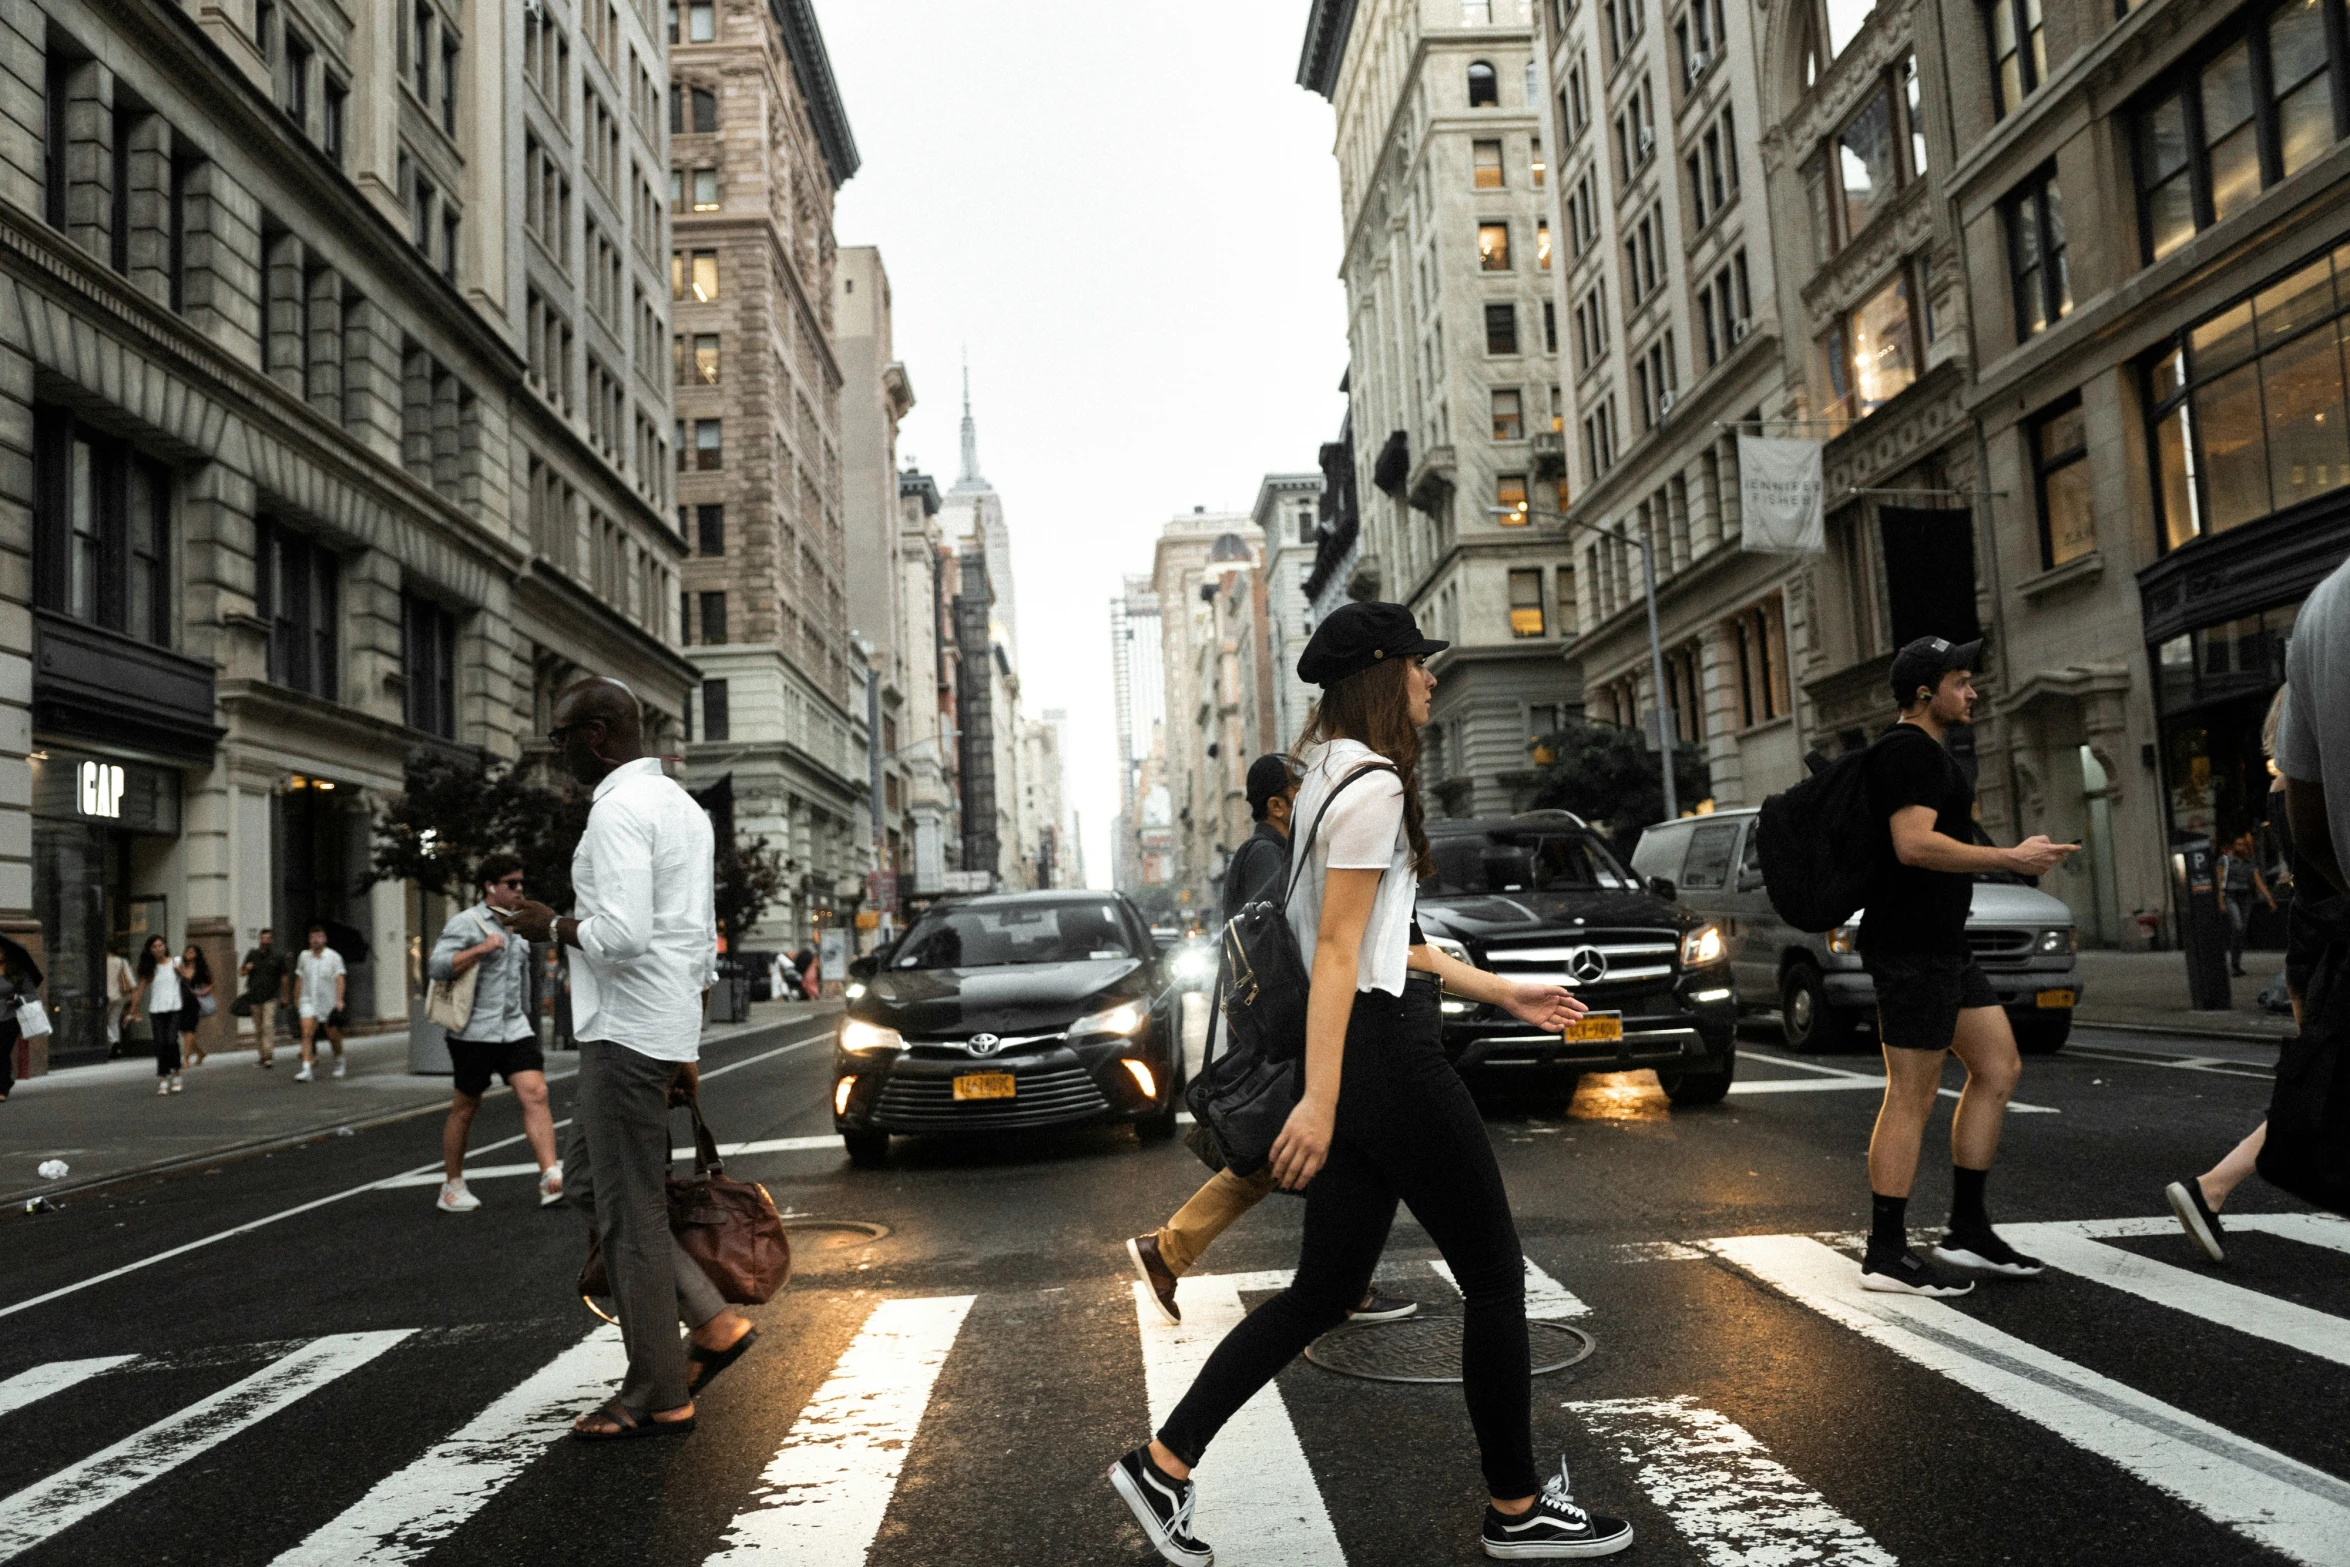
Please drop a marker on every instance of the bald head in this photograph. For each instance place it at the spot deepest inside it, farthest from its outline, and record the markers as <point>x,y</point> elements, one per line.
<point>599,725</point>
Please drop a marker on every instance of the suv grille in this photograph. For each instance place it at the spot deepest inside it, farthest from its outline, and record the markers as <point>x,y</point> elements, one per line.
<point>1566,958</point>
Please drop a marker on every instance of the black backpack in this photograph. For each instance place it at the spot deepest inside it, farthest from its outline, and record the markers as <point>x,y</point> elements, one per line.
<point>1821,843</point>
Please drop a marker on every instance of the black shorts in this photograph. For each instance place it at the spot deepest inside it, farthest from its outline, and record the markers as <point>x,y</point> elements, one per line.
<point>476,1061</point>
<point>1920,994</point>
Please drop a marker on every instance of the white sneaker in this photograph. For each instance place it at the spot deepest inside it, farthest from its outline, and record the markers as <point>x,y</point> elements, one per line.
<point>163,1085</point>
<point>455,1198</point>
<point>341,1065</point>
<point>176,1084</point>
<point>305,1075</point>
<point>550,1187</point>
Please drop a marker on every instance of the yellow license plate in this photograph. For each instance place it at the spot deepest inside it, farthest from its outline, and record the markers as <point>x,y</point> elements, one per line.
<point>2053,999</point>
<point>986,1085</point>
<point>1595,1028</point>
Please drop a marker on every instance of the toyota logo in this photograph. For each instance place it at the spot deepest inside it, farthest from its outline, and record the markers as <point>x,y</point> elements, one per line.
<point>1587,964</point>
<point>984,1044</point>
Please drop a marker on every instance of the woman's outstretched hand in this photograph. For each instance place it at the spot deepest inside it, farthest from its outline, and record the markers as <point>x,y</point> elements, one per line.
<point>1304,1143</point>
<point>1548,1007</point>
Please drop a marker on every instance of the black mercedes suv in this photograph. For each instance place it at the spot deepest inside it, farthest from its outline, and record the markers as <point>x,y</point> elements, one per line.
<point>1541,896</point>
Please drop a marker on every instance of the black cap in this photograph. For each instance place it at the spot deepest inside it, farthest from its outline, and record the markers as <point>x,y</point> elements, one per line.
<point>1925,661</point>
<point>1354,637</point>
<point>1268,775</point>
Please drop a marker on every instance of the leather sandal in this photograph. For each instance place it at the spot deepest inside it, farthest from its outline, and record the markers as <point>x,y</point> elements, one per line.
<point>709,1362</point>
<point>629,1427</point>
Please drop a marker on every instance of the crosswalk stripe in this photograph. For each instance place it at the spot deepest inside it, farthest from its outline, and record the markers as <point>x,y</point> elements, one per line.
<point>75,1492</point>
<point>2214,1300</point>
<point>1547,1300</point>
<point>2286,1505</point>
<point>408,1512</point>
<point>1727,1495</point>
<point>55,1377</point>
<point>820,1501</point>
<point>1254,1484</point>
<point>2311,1229</point>
<point>491,1172</point>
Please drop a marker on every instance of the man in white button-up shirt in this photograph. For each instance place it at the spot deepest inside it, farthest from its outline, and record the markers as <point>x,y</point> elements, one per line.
<point>646,948</point>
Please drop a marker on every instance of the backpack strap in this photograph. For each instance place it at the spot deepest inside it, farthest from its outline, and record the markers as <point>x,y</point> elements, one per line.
<point>1305,849</point>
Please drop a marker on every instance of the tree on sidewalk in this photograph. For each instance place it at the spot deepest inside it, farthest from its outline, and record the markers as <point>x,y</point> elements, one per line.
<point>1606,774</point>
<point>455,809</point>
<point>749,878</point>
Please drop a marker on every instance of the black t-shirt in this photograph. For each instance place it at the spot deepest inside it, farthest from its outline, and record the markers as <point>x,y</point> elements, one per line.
<point>1911,909</point>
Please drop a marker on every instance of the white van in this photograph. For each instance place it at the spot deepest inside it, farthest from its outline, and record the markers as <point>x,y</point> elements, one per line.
<point>2023,938</point>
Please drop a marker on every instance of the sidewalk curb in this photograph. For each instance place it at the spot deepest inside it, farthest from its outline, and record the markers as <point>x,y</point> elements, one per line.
<point>2180,1030</point>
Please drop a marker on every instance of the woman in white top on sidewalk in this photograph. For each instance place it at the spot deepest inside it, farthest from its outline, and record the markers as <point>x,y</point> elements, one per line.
<point>161,978</point>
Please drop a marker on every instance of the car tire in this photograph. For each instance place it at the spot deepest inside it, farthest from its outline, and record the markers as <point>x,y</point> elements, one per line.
<point>2042,1035</point>
<point>1687,1089</point>
<point>1806,1020</point>
<point>867,1150</point>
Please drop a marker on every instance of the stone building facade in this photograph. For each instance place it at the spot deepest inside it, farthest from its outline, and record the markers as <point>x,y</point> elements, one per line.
<point>1288,515</point>
<point>299,483</point>
<point>1205,574</point>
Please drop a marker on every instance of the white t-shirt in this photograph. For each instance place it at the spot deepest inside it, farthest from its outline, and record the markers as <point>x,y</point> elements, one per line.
<point>163,991</point>
<point>314,981</point>
<point>1364,831</point>
<point>2313,735</point>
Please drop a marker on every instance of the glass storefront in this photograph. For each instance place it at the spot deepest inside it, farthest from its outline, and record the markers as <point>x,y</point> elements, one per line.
<point>2213,687</point>
<point>105,871</point>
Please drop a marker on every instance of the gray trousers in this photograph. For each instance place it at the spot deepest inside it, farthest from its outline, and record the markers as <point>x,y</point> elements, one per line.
<point>615,1167</point>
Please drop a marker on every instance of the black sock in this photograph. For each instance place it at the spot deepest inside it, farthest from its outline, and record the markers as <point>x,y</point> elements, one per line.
<point>1966,1200</point>
<point>1888,1225</point>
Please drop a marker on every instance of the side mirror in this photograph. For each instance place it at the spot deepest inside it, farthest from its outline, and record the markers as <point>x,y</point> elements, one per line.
<point>1751,881</point>
<point>862,968</point>
<point>1662,887</point>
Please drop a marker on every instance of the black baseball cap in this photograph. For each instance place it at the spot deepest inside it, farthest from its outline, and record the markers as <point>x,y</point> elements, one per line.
<point>1269,775</point>
<point>1925,661</point>
<point>1354,637</point>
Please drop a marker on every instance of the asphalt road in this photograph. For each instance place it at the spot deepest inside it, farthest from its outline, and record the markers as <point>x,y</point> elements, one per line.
<point>366,1379</point>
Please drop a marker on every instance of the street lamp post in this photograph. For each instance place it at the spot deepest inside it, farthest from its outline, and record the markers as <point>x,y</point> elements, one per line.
<point>1656,648</point>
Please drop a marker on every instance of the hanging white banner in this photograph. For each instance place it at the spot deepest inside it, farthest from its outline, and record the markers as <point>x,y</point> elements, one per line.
<point>1779,496</point>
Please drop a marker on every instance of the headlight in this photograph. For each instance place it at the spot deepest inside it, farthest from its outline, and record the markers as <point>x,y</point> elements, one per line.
<point>1194,962</point>
<point>1701,946</point>
<point>2065,940</point>
<point>856,989</point>
<point>859,1038</point>
<point>1844,938</point>
<point>1124,1018</point>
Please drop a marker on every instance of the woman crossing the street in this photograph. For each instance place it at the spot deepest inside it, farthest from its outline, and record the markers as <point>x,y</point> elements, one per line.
<point>163,989</point>
<point>1382,1117</point>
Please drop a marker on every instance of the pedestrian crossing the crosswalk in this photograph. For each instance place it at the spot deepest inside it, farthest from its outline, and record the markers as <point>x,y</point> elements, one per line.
<point>838,1467</point>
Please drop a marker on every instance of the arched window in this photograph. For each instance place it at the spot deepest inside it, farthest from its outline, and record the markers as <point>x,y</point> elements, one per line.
<point>1829,25</point>
<point>1484,86</point>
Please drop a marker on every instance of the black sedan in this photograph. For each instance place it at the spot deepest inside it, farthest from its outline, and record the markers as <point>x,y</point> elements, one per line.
<point>1010,1013</point>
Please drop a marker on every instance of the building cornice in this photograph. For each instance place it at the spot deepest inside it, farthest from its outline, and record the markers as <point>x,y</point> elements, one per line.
<point>1328,25</point>
<point>803,42</point>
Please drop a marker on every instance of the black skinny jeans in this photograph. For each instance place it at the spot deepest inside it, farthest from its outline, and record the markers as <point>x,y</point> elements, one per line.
<point>165,1028</point>
<point>1406,1129</point>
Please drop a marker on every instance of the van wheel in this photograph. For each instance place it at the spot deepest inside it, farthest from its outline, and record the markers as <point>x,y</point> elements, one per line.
<point>2043,1035</point>
<point>1808,1022</point>
<point>867,1150</point>
<point>1699,1088</point>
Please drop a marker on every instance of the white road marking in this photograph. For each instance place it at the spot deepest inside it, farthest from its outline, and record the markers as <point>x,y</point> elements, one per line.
<point>409,1512</point>
<point>1728,1496</point>
<point>2198,1294</point>
<point>1547,1300</point>
<point>1656,1251</point>
<point>2296,1510</point>
<point>2311,1229</point>
<point>1836,1079</point>
<point>41,1510</point>
<point>820,1501</point>
<point>55,1377</point>
<point>1255,1487</point>
<point>828,1143</point>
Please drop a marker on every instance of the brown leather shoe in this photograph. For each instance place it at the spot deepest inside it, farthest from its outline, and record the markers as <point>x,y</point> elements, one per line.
<point>1144,1249</point>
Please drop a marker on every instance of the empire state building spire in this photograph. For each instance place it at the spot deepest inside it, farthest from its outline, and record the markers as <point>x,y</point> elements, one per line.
<point>970,474</point>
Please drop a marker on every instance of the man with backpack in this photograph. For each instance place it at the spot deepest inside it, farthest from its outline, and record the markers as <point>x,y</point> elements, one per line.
<point>1932,997</point>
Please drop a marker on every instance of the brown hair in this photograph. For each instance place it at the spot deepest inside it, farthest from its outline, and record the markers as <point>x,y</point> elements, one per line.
<point>1374,706</point>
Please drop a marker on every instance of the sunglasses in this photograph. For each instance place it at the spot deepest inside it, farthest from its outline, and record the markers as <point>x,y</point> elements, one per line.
<point>514,882</point>
<point>556,734</point>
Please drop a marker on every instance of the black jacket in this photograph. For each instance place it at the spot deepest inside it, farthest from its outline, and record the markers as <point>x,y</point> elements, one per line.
<point>1257,870</point>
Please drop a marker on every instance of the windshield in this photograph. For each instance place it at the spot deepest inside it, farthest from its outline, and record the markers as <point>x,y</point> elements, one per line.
<point>1535,860</point>
<point>1018,933</point>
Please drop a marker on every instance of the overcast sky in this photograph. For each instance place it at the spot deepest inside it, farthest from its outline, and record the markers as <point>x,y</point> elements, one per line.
<point>1128,214</point>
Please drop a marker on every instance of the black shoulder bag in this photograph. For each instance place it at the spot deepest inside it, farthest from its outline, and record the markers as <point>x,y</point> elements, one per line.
<point>1241,1098</point>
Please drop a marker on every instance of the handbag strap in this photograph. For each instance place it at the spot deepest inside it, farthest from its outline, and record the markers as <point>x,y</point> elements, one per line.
<point>706,1160</point>
<point>1305,850</point>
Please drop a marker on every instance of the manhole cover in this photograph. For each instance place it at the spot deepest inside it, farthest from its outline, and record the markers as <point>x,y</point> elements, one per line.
<point>833,1234</point>
<point>1428,1349</point>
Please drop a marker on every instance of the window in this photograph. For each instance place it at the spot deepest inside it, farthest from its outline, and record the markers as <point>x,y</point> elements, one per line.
<point>1542,246</point>
<point>1536,170</point>
<point>448,244</point>
<point>2060,478</point>
<point>708,453</point>
<point>1872,353</point>
<point>1591,327</point>
<point>693,274</point>
<point>1644,243</point>
<point>1526,617</point>
<point>2035,255</point>
<point>701,21</point>
<point>714,722</point>
<point>1575,100</point>
<point>420,52</point>
<point>1635,132</point>
<point>1558,414</point>
<point>2247,407</point>
<point>1484,86</point>
<point>420,214</point>
<point>1911,111</point>
<point>298,55</point>
<point>102,529</point>
<point>428,657</point>
<point>1568,620</point>
<point>704,103</point>
<point>1509,494</point>
<point>1656,380</point>
<point>1501,329</point>
<point>1509,422</point>
<point>1761,638</point>
<point>2019,53</point>
<point>701,369</point>
<point>1599,437</point>
<point>1721,309</point>
<point>330,123</point>
<point>448,83</point>
<point>710,529</point>
<point>2258,112</point>
<point>296,584</point>
<point>705,190</point>
<point>1550,326</point>
<point>1583,213</point>
<point>1865,164</point>
<point>1493,247</point>
<point>713,618</point>
<point>1485,161</point>
<point>1621,21</point>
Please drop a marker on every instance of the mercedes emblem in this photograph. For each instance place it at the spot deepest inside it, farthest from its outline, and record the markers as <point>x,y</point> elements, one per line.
<point>1587,964</point>
<point>984,1044</point>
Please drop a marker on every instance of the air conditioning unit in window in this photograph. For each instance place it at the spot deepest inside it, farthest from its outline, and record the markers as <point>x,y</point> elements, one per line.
<point>1647,141</point>
<point>1738,330</point>
<point>1698,61</point>
<point>1664,403</point>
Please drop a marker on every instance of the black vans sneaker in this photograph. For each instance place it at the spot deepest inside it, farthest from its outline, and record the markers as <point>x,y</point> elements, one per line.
<point>1553,1527</point>
<point>1907,1273</point>
<point>1376,1307</point>
<point>1981,1251</point>
<point>1162,1505</point>
<point>2196,1218</point>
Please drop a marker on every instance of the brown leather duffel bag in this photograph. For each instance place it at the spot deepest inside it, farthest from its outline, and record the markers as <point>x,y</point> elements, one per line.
<point>729,1227</point>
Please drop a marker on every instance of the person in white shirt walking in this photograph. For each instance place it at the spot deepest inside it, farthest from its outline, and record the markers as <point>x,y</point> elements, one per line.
<point>646,944</point>
<point>499,1036</point>
<point>162,984</point>
<point>320,980</point>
